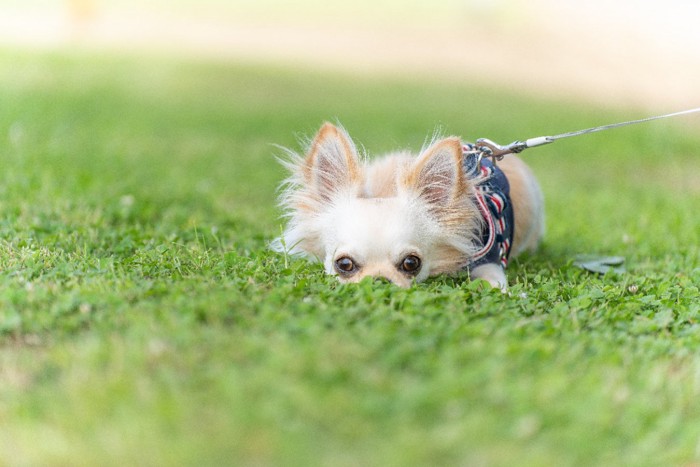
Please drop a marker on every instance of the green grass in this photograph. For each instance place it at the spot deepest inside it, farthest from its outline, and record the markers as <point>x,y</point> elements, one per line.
<point>143,320</point>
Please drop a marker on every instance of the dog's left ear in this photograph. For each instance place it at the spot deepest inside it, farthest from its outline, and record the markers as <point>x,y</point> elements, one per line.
<point>332,162</point>
<point>437,175</point>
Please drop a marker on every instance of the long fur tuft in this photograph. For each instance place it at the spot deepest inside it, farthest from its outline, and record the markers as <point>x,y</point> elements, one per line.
<point>439,180</point>
<point>331,166</point>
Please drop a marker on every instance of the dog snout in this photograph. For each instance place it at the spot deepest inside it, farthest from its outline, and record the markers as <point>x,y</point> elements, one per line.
<point>382,280</point>
<point>397,281</point>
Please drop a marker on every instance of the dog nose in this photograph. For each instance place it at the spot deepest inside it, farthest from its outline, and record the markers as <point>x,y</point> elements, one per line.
<point>382,279</point>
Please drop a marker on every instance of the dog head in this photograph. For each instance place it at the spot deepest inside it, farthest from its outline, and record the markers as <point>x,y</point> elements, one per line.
<point>401,219</point>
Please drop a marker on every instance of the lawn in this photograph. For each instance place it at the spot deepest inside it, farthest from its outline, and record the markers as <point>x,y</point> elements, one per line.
<point>144,321</point>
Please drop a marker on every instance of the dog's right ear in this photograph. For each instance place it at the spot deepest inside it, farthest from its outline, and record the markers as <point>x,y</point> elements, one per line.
<point>332,161</point>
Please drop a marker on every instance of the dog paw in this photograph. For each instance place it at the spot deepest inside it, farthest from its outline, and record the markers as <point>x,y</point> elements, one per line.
<point>493,274</point>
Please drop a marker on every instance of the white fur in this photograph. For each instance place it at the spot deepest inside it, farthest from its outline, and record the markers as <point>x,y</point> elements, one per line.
<point>378,232</point>
<point>377,214</point>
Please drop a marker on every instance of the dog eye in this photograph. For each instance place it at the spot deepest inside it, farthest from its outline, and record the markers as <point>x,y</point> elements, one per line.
<point>411,264</point>
<point>345,265</point>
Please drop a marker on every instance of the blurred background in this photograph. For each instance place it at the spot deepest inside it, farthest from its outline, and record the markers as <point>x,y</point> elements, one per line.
<point>635,53</point>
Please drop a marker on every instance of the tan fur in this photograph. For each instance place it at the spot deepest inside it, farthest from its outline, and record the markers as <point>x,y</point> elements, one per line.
<point>380,175</point>
<point>377,214</point>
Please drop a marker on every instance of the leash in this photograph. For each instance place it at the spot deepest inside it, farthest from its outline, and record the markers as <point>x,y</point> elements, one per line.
<point>487,148</point>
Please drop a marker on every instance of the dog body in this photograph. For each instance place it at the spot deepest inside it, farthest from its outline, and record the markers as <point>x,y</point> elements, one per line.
<point>403,218</point>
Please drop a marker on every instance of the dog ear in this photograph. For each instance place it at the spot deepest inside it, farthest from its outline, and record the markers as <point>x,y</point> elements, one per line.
<point>332,161</point>
<point>437,175</point>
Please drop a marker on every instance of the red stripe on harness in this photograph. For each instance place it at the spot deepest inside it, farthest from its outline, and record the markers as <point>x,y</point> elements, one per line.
<point>497,201</point>
<point>492,228</point>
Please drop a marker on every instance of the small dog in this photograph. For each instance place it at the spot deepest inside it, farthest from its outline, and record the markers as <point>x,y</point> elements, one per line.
<point>406,218</point>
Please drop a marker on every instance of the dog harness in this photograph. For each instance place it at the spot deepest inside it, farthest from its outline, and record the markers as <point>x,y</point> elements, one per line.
<point>492,195</point>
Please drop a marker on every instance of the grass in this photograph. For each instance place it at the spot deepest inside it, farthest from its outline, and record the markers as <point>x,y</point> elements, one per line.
<point>143,320</point>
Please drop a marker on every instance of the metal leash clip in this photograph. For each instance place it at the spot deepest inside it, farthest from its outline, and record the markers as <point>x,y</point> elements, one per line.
<point>497,152</point>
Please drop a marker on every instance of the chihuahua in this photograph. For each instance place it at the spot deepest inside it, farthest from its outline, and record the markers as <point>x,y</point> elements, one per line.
<point>404,218</point>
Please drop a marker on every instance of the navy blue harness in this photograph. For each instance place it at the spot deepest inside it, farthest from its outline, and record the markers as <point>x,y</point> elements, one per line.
<point>492,195</point>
